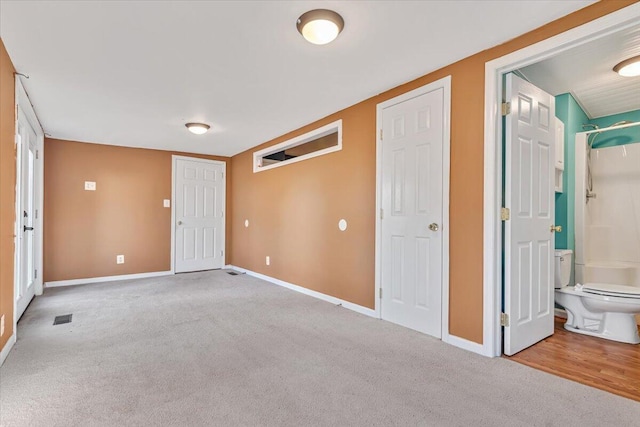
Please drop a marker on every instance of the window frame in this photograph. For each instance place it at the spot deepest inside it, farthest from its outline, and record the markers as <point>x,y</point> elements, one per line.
<point>297,141</point>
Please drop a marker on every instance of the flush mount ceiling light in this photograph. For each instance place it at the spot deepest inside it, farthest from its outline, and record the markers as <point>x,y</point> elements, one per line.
<point>629,67</point>
<point>197,128</point>
<point>320,26</point>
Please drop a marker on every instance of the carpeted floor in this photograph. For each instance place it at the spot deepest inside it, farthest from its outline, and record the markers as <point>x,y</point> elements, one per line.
<point>220,350</point>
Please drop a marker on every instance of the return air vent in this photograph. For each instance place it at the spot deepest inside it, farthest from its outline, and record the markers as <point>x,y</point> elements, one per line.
<point>65,318</point>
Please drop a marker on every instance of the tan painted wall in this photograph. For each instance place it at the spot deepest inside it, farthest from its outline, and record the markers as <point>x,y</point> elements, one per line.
<point>7,189</point>
<point>85,230</point>
<point>294,210</point>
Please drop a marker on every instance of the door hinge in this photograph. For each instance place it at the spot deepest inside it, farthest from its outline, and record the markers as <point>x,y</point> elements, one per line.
<point>221,253</point>
<point>504,319</point>
<point>380,293</point>
<point>505,214</point>
<point>506,108</point>
<point>222,174</point>
<point>381,213</point>
<point>380,134</point>
<point>36,213</point>
<point>35,274</point>
<point>37,154</point>
<point>222,213</point>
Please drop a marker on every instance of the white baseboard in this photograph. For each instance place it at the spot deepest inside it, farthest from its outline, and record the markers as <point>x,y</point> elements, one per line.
<point>333,300</point>
<point>7,348</point>
<point>73,282</point>
<point>465,344</point>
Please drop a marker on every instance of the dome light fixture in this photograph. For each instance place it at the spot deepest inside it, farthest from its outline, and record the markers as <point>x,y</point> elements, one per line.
<point>197,128</point>
<point>629,67</point>
<point>320,26</point>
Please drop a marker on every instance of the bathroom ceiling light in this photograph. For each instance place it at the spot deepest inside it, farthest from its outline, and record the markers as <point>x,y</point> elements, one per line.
<point>629,67</point>
<point>197,128</point>
<point>320,26</point>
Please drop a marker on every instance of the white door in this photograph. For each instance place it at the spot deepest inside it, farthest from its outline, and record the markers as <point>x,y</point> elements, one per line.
<point>530,197</point>
<point>411,202</point>
<point>199,214</point>
<point>26,222</point>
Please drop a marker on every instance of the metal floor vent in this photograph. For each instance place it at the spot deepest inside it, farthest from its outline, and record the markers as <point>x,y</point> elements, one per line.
<point>233,273</point>
<point>65,318</point>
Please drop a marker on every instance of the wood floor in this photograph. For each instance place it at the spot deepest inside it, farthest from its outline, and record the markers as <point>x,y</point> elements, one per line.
<point>600,363</point>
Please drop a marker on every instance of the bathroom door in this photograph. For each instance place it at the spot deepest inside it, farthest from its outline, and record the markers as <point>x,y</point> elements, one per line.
<point>528,233</point>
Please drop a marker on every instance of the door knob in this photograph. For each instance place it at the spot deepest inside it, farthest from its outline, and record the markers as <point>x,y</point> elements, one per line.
<point>179,222</point>
<point>433,226</point>
<point>25,228</point>
<point>556,228</point>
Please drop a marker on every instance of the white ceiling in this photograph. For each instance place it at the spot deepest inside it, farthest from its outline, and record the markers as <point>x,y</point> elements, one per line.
<point>587,73</point>
<point>132,73</point>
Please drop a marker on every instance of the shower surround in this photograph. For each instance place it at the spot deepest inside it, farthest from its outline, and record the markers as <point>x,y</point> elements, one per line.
<point>608,225</point>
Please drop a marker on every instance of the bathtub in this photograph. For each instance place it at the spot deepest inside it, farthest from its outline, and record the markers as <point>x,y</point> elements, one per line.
<point>616,272</point>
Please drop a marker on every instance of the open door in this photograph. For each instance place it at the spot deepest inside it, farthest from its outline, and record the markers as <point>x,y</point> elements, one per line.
<point>528,231</point>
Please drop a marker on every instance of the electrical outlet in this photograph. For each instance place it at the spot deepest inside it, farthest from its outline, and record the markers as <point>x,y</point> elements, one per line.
<point>167,203</point>
<point>119,259</point>
<point>2,325</point>
<point>268,260</point>
<point>90,185</point>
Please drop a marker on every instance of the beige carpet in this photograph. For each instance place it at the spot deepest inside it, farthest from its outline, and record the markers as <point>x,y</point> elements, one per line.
<point>220,350</point>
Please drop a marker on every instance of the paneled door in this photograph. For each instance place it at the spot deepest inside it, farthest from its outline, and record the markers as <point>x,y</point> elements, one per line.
<point>530,198</point>
<point>27,221</point>
<point>199,204</point>
<point>412,212</point>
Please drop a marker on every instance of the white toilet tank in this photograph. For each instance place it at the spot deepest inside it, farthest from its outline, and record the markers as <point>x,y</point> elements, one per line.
<point>563,267</point>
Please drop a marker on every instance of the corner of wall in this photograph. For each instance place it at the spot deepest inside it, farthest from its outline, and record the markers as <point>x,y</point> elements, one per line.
<point>7,193</point>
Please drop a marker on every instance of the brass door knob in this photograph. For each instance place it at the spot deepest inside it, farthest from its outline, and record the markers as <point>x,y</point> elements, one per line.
<point>433,227</point>
<point>556,228</point>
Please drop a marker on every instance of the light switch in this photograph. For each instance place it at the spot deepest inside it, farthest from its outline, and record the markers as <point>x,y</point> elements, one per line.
<point>90,185</point>
<point>167,203</point>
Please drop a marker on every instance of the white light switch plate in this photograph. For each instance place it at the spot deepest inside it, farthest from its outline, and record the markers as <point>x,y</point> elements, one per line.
<point>2,325</point>
<point>90,185</point>
<point>167,203</point>
<point>119,259</point>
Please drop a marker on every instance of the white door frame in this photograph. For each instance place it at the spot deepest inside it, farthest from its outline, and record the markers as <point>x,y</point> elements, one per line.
<point>445,84</point>
<point>492,232</point>
<point>174,167</point>
<point>22,101</point>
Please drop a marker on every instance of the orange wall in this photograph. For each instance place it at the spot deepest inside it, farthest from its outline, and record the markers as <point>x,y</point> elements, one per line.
<point>7,189</point>
<point>85,230</point>
<point>294,210</point>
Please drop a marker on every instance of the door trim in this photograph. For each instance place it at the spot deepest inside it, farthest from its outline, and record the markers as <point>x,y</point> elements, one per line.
<point>445,84</point>
<point>22,101</point>
<point>492,193</point>
<point>174,163</point>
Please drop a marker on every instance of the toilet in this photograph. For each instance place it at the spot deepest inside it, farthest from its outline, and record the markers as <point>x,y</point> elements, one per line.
<point>602,310</point>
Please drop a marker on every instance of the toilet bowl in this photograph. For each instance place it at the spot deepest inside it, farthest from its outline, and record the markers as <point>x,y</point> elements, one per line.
<point>602,310</point>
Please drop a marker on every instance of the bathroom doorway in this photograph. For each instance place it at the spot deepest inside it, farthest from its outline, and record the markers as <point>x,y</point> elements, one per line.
<point>569,70</point>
